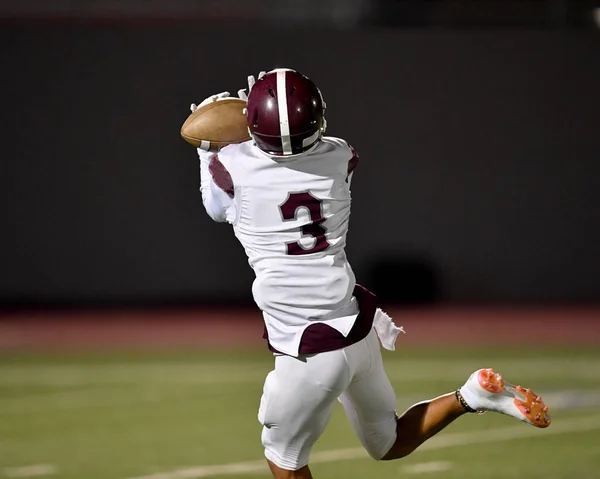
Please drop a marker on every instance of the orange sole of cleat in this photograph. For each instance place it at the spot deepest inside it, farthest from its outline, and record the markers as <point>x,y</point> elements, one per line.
<point>490,381</point>
<point>533,408</point>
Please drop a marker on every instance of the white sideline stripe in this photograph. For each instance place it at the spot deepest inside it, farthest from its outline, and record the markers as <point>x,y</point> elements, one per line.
<point>422,467</point>
<point>443,441</point>
<point>284,122</point>
<point>30,471</point>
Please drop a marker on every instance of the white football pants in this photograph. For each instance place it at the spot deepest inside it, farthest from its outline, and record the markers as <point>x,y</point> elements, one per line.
<point>299,394</point>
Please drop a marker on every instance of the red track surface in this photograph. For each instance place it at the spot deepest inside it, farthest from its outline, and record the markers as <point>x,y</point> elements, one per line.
<point>219,328</point>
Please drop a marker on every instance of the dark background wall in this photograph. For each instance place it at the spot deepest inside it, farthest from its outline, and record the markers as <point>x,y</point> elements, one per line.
<point>480,156</point>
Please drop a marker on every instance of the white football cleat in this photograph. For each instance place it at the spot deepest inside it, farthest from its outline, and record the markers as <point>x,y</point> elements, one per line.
<point>485,390</point>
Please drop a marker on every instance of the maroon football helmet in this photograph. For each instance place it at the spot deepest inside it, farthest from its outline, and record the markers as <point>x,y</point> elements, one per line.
<point>285,113</point>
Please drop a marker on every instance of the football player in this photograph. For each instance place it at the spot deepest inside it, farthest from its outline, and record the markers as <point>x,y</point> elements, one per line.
<point>286,193</point>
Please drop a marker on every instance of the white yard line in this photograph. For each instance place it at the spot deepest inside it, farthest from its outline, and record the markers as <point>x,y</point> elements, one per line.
<point>202,373</point>
<point>442,441</point>
<point>102,398</point>
<point>29,471</point>
<point>425,467</point>
<point>72,400</point>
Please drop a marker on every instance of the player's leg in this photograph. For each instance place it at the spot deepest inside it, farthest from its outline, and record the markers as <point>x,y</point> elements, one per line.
<point>296,404</point>
<point>422,421</point>
<point>370,403</point>
<point>485,390</point>
<point>278,473</point>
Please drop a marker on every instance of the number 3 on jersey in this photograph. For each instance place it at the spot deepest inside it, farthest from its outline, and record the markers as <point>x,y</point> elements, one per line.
<point>289,210</point>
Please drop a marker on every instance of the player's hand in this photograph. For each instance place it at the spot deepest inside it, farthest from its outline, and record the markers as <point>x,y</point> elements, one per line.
<point>210,99</point>
<point>251,81</point>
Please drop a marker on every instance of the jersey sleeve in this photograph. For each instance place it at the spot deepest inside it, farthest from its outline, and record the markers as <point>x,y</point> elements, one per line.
<point>216,187</point>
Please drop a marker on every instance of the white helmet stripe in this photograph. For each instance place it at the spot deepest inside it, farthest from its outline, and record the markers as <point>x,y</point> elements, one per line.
<point>284,124</point>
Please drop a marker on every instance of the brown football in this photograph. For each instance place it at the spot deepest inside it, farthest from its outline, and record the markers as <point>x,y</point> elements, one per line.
<point>219,122</point>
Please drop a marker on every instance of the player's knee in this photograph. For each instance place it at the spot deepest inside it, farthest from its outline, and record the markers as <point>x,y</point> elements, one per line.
<point>397,451</point>
<point>379,448</point>
<point>378,439</point>
<point>400,448</point>
<point>283,452</point>
<point>279,473</point>
<point>287,462</point>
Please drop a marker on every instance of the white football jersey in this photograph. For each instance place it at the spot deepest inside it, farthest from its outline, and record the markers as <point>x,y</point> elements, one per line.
<point>291,216</point>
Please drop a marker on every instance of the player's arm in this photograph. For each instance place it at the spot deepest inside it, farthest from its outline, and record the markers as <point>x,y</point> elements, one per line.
<point>216,186</point>
<point>352,164</point>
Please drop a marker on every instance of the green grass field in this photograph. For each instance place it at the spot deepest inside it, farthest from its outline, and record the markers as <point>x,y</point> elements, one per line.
<point>151,414</point>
